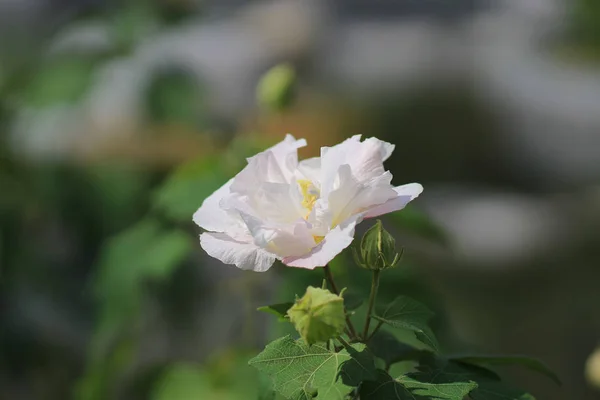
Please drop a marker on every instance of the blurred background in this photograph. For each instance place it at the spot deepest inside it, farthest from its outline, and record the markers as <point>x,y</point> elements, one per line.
<point>118,118</point>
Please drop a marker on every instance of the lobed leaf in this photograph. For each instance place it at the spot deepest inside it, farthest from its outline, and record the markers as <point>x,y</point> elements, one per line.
<point>409,314</point>
<point>302,372</point>
<point>528,362</point>
<point>489,386</point>
<point>490,390</point>
<point>436,390</point>
<point>386,346</point>
<point>407,387</point>
<point>427,337</point>
<point>405,313</point>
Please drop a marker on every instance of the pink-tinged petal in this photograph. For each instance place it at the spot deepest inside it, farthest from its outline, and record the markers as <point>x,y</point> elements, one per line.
<point>263,167</point>
<point>364,158</point>
<point>386,149</point>
<point>353,196</point>
<point>331,160</point>
<point>286,154</point>
<point>367,161</point>
<point>406,194</point>
<point>332,245</point>
<point>241,254</point>
<point>281,239</point>
<point>210,216</point>
<point>275,165</point>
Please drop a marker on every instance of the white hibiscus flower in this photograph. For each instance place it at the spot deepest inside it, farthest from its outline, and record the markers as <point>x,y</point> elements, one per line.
<point>302,213</point>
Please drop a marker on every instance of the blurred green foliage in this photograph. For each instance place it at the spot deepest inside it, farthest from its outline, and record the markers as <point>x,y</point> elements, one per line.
<point>223,377</point>
<point>176,97</point>
<point>275,90</point>
<point>127,228</point>
<point>586,23</point>
<point>178,197</point>
<point>60,81</point>
<point>133,22</point>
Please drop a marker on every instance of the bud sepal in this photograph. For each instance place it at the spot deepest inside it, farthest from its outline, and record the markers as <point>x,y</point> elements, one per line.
<point>318,316</point>
<point>377,249</point>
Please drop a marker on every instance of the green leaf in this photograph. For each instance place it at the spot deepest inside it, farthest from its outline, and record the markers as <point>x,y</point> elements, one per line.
<point>386,346</point>
<point>279,310</point>
<point>405,313</point>
<point>407,387</point>
<point>384,388</point>
<point>409,314</point>
<point>528,362</point>
<point>427,337</point>
<point>301,372</point>
<point>489,386</point>
<point>490,390</point>
<point>432,388</point>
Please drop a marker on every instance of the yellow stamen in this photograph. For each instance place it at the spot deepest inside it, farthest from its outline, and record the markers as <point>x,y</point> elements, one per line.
<point>309,195</point>
<point>318,239</point>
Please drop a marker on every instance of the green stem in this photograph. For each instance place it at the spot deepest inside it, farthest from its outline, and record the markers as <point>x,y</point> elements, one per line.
<point>374,288</point>
<point>379,325</point>
<point>329,277</point>
<point>343,342</point>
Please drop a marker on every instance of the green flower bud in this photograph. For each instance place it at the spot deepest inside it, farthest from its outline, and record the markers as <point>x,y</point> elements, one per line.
<point>377,249</point>
<point>275,89</point>
<point>318,316</point>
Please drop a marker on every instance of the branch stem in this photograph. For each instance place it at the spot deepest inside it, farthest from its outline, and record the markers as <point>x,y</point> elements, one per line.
<point>374,288</point>
<point>343,342</point>
<point>375,330</point>
<point>334,288</point>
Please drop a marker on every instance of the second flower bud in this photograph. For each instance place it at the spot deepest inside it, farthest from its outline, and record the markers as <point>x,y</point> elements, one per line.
<point>377,249</point>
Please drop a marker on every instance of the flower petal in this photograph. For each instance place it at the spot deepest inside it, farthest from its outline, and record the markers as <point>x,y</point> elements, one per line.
<point>333,244</point>
<point>406,194</point>
<point>230,251</point>
<point>364,158</point>
<point>210,216</point>
<point>367,162</point>
<point>281,239</point>
<point>353,196</point>
<point>274,165</point>
<point>262,167</point>
<point>310,169</point>
<point>286,154</point>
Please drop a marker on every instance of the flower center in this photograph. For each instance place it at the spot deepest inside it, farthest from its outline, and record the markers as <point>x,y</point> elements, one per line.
<point>310,194</point>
